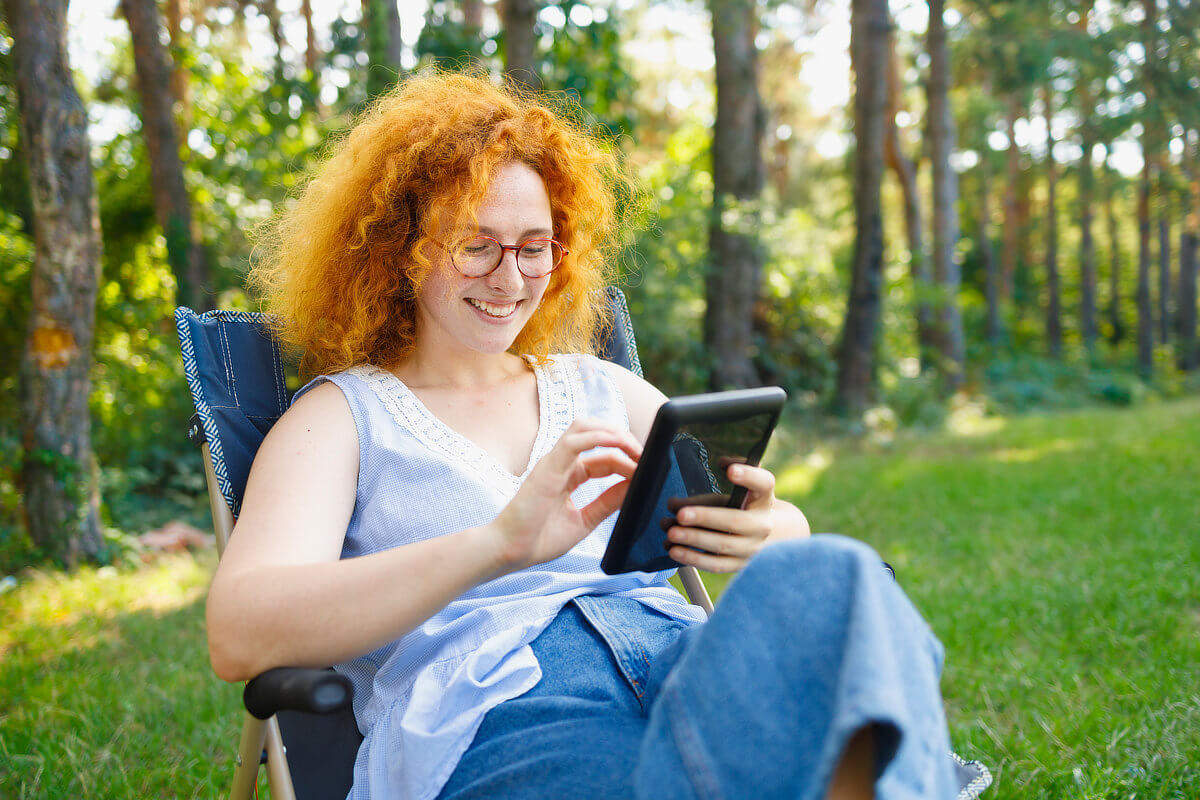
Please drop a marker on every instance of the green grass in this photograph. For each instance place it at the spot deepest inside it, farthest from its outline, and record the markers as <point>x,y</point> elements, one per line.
<point>105,687</point>
<point>1056,556</point>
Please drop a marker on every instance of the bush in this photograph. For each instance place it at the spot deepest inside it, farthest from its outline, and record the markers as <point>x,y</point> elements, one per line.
<point>1024,383</point>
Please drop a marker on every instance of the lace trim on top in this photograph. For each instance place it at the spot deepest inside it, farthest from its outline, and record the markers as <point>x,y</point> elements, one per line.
<point>560,397</point>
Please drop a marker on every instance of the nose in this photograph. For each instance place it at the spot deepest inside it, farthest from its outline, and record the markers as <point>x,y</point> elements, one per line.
<point>506,277</point>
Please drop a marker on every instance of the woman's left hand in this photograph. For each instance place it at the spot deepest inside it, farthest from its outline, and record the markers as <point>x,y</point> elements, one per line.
<point>720,539</point>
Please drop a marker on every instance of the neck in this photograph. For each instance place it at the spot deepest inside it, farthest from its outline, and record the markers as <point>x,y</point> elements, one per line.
<point>465,369</point>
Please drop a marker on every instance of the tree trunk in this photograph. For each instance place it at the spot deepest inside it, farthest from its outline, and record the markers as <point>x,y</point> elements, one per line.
<point>1024,288</point>
<point>1087,247</point>
<point>517,17</point>
<point>181,86</point>
<point>473,15</point>
<point>947,275</point>
<point>385,45</point>
<point>1054,332</point>
<point>310,40</point>
<point>856,349</point>
<point>1188,350</point>
<point>270,9</point>
<point>1117,332</point>
<point>58,475</point>
<point>1145,322</point>
<point>735,257</point>
<point>991,269</point>
<point>1008,255</point>
<point>906,175</point>
<point>172,207</point>
<point>1164,257</point>
<point>1145,314</point>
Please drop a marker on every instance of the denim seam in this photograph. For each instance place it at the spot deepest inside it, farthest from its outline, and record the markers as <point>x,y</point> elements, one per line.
<point>688,743</point>
<point>229,364</point>
<point>618,648</point>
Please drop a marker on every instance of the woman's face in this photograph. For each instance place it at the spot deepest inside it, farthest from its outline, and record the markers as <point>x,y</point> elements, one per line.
<point>486,314</point>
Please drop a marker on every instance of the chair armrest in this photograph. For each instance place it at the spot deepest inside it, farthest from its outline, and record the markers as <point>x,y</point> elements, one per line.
<point>318,691</point>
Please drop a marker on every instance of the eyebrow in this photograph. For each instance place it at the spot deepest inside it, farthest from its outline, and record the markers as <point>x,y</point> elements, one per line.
<point>528,233</point>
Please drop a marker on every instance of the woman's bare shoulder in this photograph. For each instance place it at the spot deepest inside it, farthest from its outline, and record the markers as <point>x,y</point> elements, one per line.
<point>302,485</point>
<point>642,398</point>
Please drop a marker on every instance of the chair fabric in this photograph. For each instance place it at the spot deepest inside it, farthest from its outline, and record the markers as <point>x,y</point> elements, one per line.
<point>234,370</point>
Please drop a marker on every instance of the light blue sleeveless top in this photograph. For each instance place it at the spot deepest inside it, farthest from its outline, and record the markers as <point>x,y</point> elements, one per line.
<point>419,700</point>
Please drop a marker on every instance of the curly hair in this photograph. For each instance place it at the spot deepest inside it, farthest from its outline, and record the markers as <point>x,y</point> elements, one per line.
<point>341,268</point>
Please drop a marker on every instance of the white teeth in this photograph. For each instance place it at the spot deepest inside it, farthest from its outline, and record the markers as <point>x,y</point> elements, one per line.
<point>492,309</point>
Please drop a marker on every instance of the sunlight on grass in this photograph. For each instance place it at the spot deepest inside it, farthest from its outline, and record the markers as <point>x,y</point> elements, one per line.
<point>972,419</point>
<point>47,600</point>
<point>799,479</point>
<point>1026,455</point>
<point>105,686</point>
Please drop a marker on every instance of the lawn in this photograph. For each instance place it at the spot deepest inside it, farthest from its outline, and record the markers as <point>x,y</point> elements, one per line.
<point>1056,556</point>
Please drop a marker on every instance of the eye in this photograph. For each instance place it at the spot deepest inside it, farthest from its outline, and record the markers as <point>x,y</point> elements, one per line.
<point>535,247</point>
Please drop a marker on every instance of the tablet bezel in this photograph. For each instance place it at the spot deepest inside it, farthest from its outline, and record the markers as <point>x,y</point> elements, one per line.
<point>654,465</point>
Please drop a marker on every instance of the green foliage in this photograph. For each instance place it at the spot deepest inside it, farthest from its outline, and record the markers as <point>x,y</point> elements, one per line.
<point>1023,383</point>
<point>14,174</point>
<point>662,274</point>
<point>583,60</point>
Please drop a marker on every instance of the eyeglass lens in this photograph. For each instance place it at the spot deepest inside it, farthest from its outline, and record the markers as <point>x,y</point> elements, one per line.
<point>536,258</point>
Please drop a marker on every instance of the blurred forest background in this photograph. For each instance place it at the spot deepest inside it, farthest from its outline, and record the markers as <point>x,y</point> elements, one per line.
<point>999,208</point>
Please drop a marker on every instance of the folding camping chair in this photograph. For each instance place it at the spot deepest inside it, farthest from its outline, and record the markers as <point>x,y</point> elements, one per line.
<point>298,722</point>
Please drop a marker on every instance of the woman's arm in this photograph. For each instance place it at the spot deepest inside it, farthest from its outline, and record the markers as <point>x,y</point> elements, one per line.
<point>730,536</point>
<point>281,596</point>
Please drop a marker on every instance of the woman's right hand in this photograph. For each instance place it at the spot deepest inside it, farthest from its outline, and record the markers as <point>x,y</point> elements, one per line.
<point>541,522</point>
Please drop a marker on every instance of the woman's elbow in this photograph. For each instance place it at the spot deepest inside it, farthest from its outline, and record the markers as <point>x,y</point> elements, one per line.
<point>231,658</point>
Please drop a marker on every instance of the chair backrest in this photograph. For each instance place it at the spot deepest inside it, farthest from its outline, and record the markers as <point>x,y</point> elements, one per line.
<point>236,375</point>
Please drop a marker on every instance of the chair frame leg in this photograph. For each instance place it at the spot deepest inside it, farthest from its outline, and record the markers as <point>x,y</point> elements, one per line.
<point>694,587</point>
<point>279,775</point>
<point>257,734</point>
<point>245,773</point>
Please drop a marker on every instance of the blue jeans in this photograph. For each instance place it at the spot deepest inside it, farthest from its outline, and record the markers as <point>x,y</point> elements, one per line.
<point>810,643</point>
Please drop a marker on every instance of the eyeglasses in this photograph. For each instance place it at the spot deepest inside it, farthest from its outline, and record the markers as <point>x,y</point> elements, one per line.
<point>480,255</point>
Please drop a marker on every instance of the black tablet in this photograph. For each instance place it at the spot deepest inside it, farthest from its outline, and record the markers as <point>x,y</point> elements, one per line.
<point>691,444</point>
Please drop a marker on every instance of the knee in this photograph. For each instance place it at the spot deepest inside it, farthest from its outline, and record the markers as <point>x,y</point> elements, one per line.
<point>823,554</point>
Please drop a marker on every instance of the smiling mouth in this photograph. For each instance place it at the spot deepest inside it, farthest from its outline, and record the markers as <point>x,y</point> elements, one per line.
<point>493,309</point>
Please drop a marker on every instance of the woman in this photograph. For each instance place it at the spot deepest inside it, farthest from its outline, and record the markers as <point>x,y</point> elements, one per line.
<point>430,513</point>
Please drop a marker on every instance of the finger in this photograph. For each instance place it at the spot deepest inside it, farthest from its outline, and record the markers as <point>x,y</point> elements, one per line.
<point>561,459</point>
<point>715,542</point>
<point>730,520</point>
<point>574,442</point>
<point>724,462</point>
<point>599,465</point>
<point>759,482</point>
<point>706,561</point>
<point>605,505</point>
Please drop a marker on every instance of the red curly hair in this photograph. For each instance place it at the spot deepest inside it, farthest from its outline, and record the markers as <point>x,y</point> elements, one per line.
<point>342,267</point>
